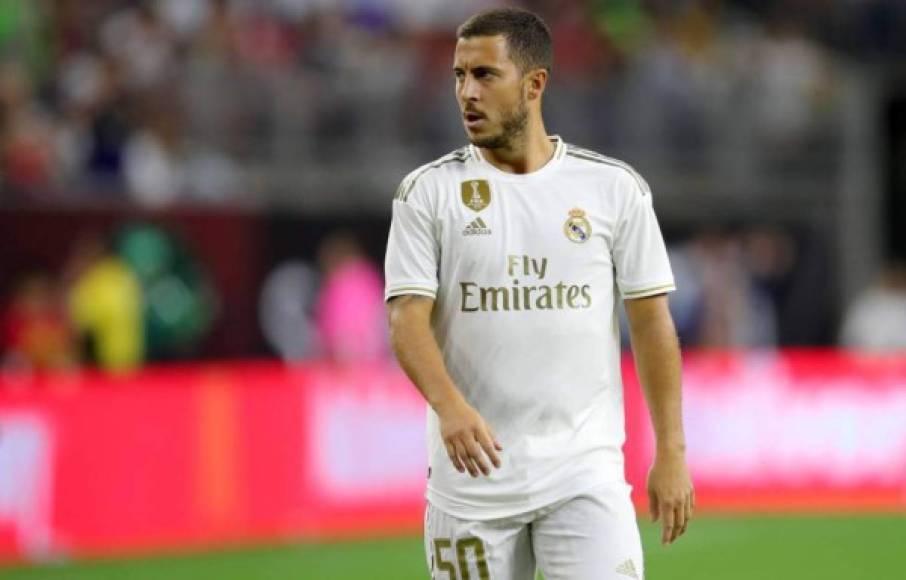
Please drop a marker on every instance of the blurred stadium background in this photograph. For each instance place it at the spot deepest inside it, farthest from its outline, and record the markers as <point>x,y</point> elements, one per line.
<point>194,199</point>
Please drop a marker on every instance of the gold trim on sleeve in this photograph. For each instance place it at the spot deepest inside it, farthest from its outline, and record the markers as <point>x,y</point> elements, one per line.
<point>652,290</point>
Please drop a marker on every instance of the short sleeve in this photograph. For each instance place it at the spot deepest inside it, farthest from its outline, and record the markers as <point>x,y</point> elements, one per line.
<point>411,263</point>
<point>639,253</point>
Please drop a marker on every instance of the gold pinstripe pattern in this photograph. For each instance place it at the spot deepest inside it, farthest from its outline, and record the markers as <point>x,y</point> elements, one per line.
<point>587,155</point>
<point>405,188</point>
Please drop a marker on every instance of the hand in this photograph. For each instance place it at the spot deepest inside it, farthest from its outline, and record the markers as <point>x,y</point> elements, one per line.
<point>670,495</point>
<point>468,439</point>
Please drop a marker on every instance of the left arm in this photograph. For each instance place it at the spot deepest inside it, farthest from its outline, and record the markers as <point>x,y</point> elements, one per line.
<point>657,357</point>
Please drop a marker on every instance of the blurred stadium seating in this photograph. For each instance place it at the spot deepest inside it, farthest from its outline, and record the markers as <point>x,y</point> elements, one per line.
<point>186,186</point>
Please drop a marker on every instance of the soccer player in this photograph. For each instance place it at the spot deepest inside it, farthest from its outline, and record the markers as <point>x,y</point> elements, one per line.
<point>504,263</point>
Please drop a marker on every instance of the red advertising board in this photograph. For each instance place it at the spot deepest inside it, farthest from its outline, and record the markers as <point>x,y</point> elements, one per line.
<point>802,430</point>
<point>204,454</point>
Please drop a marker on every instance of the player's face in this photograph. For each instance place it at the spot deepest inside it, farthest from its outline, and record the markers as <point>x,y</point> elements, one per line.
<point>490,90</point>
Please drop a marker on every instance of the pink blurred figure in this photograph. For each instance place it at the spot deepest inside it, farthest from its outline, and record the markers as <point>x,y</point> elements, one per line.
<point>349,312</point>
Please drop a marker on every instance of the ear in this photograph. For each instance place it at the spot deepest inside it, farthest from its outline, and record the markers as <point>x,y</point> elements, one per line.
<point>536,83</point>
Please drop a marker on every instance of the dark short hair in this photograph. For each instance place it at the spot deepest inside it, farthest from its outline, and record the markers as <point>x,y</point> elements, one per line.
<point>527,36</point>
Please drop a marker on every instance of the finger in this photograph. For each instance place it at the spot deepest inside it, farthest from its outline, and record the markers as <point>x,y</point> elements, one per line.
<point>474,471</point>
<point>687,506</point>
<point>493,437</point>
<point>653,506</point>
<point>467,460</point>
<point>687,513</point>
<point>477,456</point>
<point>463,455</point>
<point>667,521</point>
<point>488,445</point>
<point>454,458</point>
<point>679,522</point>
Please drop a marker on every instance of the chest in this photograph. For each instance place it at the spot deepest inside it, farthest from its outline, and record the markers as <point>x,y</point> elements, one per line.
<point>513,230</point>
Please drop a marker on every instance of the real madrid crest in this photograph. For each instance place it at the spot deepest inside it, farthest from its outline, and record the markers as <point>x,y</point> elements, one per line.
<point>476,194</point>
<point>577,228</point>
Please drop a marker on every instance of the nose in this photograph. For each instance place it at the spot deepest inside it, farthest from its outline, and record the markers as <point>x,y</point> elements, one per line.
<point>469,89</point>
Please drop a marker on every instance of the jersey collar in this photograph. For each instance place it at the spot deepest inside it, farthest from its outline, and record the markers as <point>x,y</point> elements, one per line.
<point>553,162</point>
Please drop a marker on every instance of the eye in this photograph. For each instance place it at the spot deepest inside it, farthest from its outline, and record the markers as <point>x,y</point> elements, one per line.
<point>459,74</point>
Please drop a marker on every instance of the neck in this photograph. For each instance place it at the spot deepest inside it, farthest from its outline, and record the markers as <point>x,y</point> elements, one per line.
<point>527,153</point>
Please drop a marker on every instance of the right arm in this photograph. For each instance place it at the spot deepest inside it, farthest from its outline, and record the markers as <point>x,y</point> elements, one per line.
<point>464,432</point>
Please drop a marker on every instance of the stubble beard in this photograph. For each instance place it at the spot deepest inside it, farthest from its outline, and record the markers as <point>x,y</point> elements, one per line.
<point>513,124</point>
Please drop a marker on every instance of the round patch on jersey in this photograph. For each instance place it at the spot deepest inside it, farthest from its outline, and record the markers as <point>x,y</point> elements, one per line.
<point>577,228</point>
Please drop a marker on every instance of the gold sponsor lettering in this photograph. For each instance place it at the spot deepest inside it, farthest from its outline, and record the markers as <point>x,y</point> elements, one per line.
<point>586,294</point>
<point>572,292</point>
<point>476,298</point>
<point>560,286</point>
<point>494,293</point>
<point>526,266</point>
<point>517,297</point>
<point>511,263</point>
<point>539,267</point>
<point>545,301</point>
<point>527,296</point>
<point>465,288</point>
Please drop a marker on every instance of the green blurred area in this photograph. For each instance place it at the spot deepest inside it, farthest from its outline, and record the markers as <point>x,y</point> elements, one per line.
<point>726,548</point>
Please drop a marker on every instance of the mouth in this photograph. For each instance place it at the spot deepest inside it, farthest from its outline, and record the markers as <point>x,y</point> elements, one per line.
<point>473,119</point>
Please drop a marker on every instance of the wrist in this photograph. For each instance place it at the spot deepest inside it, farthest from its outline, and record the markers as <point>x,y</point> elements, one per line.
<point>670,449</point>
<point>445,401</point>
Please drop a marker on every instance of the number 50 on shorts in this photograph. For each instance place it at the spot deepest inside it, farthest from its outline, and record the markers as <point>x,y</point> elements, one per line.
<point>442,549</point>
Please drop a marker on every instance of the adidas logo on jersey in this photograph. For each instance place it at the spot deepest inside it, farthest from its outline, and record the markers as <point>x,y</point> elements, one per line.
<point>627,568</point>
<point>477,227</point>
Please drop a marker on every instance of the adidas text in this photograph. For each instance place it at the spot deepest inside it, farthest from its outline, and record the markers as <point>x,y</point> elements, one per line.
<point>477,227</point>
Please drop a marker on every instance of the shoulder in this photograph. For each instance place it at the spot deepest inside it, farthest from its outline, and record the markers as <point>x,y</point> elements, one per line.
<point>606,165</point>
<point>431,171</point>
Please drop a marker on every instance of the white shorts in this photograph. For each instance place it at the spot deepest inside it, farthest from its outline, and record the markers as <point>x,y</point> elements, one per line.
<point>593,536</point>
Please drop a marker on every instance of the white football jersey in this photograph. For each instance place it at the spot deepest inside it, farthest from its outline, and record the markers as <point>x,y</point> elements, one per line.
<point>525,270</point>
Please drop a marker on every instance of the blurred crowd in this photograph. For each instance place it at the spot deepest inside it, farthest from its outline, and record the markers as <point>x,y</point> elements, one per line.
<point>332,310</point>
<point>118,302</point>
<point>140,295</point>
<point>241,101</point>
